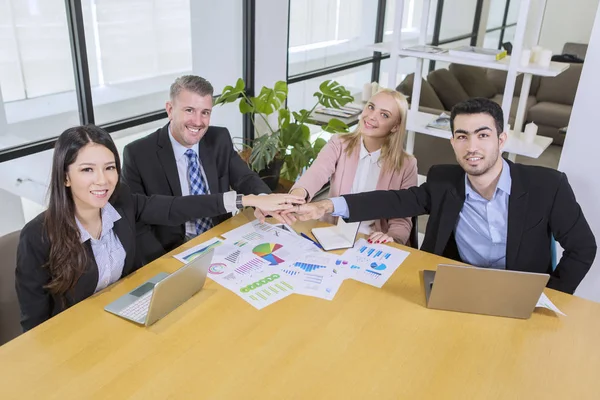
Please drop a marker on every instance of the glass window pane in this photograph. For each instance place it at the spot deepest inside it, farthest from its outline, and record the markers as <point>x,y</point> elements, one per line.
<point>411,21</point>
<point>496,13</point>
<point>513,12</point>
<point>136,48</point>
<point>300,95</point>
<point>36,72</point>
<point>492,39</point>
<point>323,33</point>
<point>457,23</point>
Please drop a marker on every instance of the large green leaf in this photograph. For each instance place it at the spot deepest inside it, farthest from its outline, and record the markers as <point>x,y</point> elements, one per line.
<point>283,120</point>
<point>231,93</point>
<point>332,94</point>
<point>264,150</point>
<point>245,107</point>
<point>336,126</point>
<point>270,100</point>
<point>293,134</point>
<point>318,146</point>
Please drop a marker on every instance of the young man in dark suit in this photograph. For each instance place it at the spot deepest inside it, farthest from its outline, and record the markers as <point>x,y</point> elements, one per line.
<point>486,211</point>
<point>186,156</point>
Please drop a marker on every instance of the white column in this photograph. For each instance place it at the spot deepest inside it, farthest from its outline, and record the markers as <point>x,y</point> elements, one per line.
<point>3,121</point>
<point>485,13</point>
<point>271,42</point>
<point>579,158</point>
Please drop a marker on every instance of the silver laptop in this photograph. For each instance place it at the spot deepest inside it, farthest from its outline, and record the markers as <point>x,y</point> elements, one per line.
<point>163,293</point>
<point>483,290</point>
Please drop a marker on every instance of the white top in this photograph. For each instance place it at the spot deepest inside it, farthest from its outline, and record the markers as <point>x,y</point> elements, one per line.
<point>365,180</point>
<point>182,162</point>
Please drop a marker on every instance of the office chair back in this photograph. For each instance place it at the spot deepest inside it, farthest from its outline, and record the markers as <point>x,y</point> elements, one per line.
<point>10,313</point>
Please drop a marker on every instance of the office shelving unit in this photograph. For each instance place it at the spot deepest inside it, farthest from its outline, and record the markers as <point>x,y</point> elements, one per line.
<point>417,121</point>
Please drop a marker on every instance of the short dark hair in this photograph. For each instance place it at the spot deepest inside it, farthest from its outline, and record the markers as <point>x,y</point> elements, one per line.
<point>192,83</point>
<point>479,105</point>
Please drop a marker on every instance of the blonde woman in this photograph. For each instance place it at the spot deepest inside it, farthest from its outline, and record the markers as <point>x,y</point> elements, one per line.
<point>370,158</point>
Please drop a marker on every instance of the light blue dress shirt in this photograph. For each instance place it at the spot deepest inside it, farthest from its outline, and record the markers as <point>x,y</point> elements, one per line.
<point>482,225</point>
<point>108,250</point>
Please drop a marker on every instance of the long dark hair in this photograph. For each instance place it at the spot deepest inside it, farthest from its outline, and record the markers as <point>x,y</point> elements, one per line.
<point>68,256</point>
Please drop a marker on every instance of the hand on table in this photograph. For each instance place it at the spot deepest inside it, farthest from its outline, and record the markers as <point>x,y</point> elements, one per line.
<point>380,237</point>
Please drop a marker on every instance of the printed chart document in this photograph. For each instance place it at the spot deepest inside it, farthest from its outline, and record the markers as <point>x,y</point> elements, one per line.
<point>265,289</point>
<point>316,274</point>
<point>341,236</point>
<point>373,264</point>
<point>545,302</point>
<point>190,254</point>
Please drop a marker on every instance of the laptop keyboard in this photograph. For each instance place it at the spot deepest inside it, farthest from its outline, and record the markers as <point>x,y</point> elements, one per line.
<point>139,308</point>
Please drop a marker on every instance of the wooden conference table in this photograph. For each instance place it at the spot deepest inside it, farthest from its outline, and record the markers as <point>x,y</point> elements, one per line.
<point>367,343</point>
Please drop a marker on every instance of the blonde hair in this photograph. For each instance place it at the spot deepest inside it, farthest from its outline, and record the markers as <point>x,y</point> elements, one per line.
<point>392,150</point>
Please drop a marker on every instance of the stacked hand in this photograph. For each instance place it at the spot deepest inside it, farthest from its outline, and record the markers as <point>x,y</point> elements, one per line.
<point>305,212</point>
<point>271,204</point>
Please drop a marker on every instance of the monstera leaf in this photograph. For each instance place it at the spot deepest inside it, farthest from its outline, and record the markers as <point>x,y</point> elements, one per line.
<point>264,150</point>
<point>336,126</point>
<point>231,93</point>
<point>270,100</point>
<point>332,94</point>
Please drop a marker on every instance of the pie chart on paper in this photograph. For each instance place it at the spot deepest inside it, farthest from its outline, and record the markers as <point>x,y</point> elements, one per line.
<point>266,250</point>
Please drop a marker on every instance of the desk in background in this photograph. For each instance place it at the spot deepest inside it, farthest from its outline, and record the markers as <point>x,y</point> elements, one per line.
<point>367,343</point>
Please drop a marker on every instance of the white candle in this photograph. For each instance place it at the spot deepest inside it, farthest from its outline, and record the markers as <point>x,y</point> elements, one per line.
<point>530,132</point>
<point>525,57</point>
<point>366,93</point>
<point>535,53</point>
<point>544,58</point>
<point>374,88</point>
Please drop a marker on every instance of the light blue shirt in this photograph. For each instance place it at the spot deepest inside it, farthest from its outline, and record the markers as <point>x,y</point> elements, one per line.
<point>108,250</point>
<point>482,225</point>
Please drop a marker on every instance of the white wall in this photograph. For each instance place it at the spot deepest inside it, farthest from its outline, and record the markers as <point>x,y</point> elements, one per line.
<point>579,159</point>
<point>567,21</point>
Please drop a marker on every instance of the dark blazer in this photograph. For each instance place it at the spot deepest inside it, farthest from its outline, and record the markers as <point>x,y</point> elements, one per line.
<point>149,168</point>
<point>37,304</point>
<point>541,204</point>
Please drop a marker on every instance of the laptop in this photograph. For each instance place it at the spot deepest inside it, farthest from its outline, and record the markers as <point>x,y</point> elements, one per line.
<point>487,291</point>
<point>340,236</point>
<point>163,293</point>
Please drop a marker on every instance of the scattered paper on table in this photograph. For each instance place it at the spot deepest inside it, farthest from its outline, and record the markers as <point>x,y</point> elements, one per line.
<point>265,289</point>
<point>190,254</point>
<point>316,274</point>
<point>373,264</point>
<point>545,302</point>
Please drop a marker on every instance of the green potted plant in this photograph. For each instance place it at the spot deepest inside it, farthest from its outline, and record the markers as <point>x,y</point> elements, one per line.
<point>285,148</point>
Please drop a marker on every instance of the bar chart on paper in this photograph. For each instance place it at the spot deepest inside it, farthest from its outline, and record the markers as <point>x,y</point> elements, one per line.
<point>266,290</point>
<point>374,264</point>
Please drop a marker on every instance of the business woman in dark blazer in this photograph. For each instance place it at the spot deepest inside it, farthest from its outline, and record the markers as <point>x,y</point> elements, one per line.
<point>85,240</point>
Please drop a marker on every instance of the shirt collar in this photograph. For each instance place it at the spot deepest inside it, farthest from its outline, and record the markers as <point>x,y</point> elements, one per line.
<point>365,153</point>
<point>109,217</point>
<point>178,149</point>
<point>504,182</point>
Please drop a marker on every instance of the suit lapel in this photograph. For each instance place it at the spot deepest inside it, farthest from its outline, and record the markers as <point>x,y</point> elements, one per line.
<point>384,180</point>
<point>517,211</point>
<point>166,158</point>
<point>209,164</point>
<point>450,213</point>
<point>123,231</point>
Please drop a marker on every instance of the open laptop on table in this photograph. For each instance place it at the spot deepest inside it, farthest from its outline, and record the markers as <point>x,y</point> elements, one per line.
<point>483,290</point>
<point>163,293</point>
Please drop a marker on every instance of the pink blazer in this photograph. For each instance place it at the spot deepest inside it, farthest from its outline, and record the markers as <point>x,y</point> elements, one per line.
<point>333,163</point>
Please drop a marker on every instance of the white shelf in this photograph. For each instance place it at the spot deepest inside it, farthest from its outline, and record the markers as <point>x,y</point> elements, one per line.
<point>417,122</point>
<point>553,70</point>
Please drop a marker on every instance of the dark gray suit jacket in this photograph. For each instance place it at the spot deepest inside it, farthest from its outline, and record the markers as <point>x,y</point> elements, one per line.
<point>541,205</point>
<point>149,167</point>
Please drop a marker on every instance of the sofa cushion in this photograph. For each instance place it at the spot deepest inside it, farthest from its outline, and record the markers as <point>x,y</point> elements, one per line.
<point>447,87</point>
<point>474,80</point>
<point>531,101</point>
<point>550,114</point>
<point>428,96</point>
<point>498,79</point>
<point>562,88</point>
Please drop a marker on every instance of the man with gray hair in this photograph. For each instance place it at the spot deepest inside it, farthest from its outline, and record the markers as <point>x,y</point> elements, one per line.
<point>187,156</point>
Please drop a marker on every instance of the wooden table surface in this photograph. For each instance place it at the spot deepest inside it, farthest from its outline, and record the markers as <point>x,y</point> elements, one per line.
<point>367,343</point>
